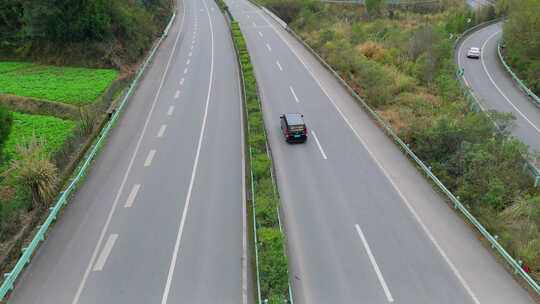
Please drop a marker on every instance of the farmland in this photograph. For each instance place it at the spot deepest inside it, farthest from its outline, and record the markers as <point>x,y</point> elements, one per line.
<point>75,86</point>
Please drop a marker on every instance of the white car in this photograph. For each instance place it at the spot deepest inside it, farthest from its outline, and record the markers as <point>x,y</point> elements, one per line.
<point>473,52</point>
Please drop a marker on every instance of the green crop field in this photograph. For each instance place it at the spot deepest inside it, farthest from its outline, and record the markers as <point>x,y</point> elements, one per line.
<point>76,86</point>
<point>11,66</point>
<point>54,130</point>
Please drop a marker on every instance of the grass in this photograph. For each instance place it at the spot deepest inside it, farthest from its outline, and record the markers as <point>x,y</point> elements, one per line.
<point>76,86</point>
<point>54,130</point>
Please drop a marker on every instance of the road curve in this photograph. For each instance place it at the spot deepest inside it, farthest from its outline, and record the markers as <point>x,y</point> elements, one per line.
<point>362,224</point>
<point>160,215</point>
<point>495,88</point>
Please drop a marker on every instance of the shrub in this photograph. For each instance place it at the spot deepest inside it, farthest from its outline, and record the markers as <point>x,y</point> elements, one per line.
<point>35,171</point>
<point>261,165</point>
<point>6,120</point>
<point>273,265</point>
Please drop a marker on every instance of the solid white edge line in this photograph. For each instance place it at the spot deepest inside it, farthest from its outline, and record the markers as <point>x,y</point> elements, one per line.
<point>161,131</point>
<point>177,94</point>
<point>149,158</point>
<point>132,160</point>
<point>409,206</point>
<point>171,110</point>
<point>193,172</point>
<point>132,195</point>
<point>105,252</point>
<point>279,65</point>
<point>497,87</point>
<point>318,144</point>
<point>374,264</point>
<point>293,93</point>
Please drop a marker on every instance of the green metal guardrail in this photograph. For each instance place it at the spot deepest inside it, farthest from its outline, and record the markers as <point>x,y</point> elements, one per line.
<point>516,265</point>
<point>27,252</point>
<point>519,81</point>
<point>475,103</point>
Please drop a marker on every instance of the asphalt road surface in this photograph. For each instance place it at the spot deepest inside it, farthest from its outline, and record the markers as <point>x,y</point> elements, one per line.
<point>160,215</point>
<point>495,88</point>
<point>363,226</point>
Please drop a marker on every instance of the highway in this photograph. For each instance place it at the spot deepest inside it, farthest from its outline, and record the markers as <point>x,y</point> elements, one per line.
<point>160,217</point>
<point>362,224</point>
<point>495,88</point>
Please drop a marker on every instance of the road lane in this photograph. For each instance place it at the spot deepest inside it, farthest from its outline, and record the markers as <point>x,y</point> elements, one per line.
<point>495,88</point>
<point>361,182</point>
<point>131,264</point>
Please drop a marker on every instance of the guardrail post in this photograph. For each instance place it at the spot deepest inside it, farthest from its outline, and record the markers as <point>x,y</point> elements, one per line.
<point>496,237</point>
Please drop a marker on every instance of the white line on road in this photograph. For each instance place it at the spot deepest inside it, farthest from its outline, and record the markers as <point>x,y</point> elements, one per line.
<point>182,81</point>
<point>293,94</point>
<point>161,131</point>
<point>497,87</point>
<point>405,200</point>
<point>279,66</point>
<point>128,170</point>
<point>190,53</point>
<point>268,47</point>
<point>177,94</point>
<point>171,110</point>
<point>375,266</point>
<point>188,62</point>
<point>260,34</point>
<point>194,170</point>
<point>319,144</point>
<point>253,23</point>
<point>132,195</point>
<point>149,158</point>
<point>191,47</point>
<point>105,253</point>
<point>185,70</point>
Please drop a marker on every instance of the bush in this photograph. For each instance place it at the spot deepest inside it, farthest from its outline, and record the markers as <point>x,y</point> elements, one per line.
<point>261,165</point>
<point>6,120</point>
<point>273,263</point>
<point>36,172</point>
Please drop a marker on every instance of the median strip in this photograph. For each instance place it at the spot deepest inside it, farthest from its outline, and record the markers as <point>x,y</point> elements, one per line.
<point>270,259</point>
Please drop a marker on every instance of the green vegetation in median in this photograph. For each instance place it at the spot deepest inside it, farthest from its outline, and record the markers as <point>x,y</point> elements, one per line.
<point>401,61</point>
<point>273,268</point>
<point>76,86</point>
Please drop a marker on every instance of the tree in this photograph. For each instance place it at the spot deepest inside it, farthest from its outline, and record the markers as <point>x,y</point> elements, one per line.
<point>373,6</point>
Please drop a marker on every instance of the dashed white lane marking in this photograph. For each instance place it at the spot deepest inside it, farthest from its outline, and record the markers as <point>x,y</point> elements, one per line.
<point>105,253</point>
<point>293,94</point>
<point>171,110</point>
<point>279,66</point>
<point>405,200</point>
<point>260,34</point>
<point>191,47</point>
<point>185,70</point>
<point>181,81</point>
<point>190,53</point>
<point>128,170</point>
<point>499,89</point>
<point>161,131</point>
<point>177,94</point>
<point>253,23</point>
<point>193,172</point>
<point>318,144</point>
<point>374,264</point>
<point>149,158</point>
<point>132,195</point>
<point>268,47</point>
<point>188,62</point>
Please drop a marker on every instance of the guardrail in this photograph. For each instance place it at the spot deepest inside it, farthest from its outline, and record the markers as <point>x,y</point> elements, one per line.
<point>519,81</point>
<point>471,99</point>
<point>516,265</point>
<point>27,252</point>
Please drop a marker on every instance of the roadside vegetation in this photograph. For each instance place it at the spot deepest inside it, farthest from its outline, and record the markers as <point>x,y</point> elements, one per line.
<point>273,267</point>
<point>100,33</point>
<point>76,86</point>
<point>400,59</point>
<point>522,40</point>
